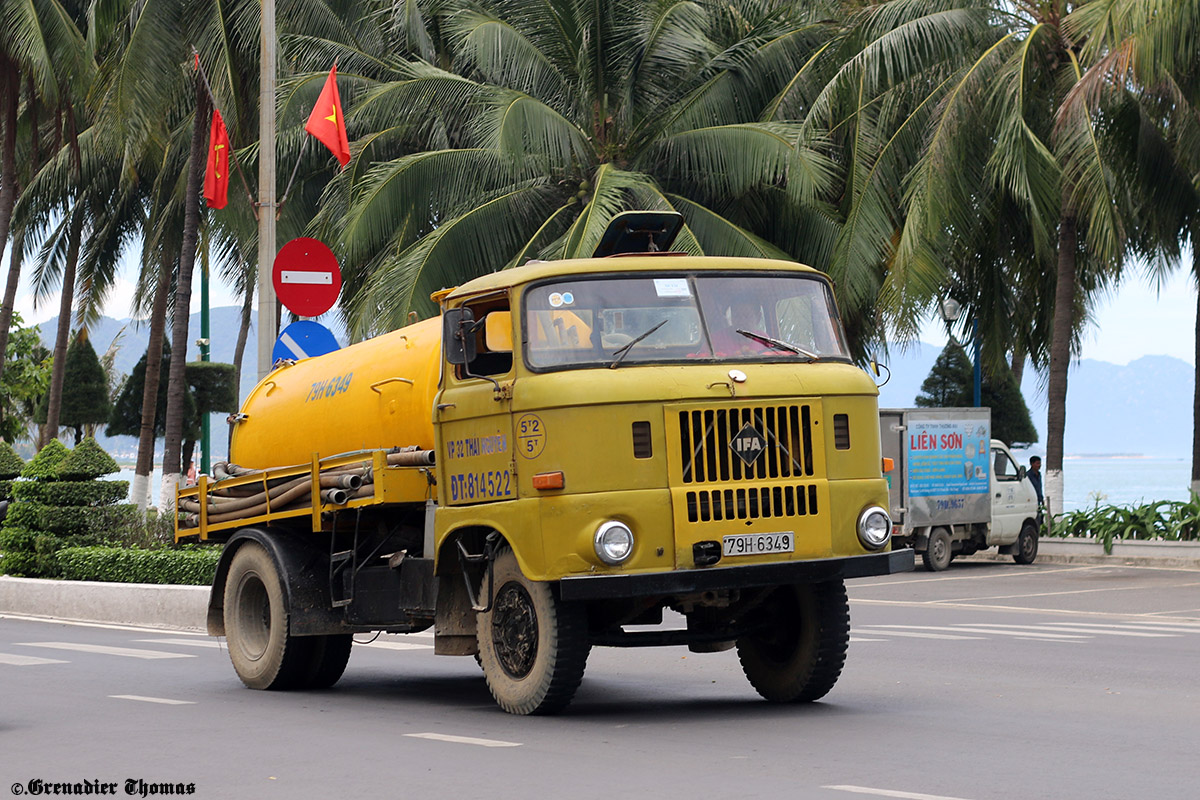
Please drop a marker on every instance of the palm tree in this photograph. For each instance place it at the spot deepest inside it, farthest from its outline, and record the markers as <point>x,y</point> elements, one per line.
<point>516,130</point>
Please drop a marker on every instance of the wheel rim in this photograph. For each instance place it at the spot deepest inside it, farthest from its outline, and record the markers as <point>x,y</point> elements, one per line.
<point>514,630</point>
<point>939,548</point>
<point>253,617</point>
<point>1027,545</point>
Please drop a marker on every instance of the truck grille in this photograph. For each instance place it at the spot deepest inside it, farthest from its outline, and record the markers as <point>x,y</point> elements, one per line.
<point>760,502</point>
<point>705,436</point>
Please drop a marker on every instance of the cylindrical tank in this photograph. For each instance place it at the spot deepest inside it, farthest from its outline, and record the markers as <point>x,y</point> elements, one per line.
<point>374,394</point>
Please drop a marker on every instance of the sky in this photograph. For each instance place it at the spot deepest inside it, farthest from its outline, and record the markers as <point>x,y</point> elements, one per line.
<point>1134,321</point>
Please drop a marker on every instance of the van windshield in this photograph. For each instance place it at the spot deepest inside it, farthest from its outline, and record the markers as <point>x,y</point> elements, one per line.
<point>608,321</point>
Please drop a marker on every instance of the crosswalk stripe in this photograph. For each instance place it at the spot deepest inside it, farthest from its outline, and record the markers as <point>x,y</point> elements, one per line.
<point>965,629</point>
<point>1131,626</point>
<point>27,661</point>
<point>442,737</point>
<point>1096,631</point>
<point>127,652</point>
<point>166,701</point>
<point>916,635</point>
<point>210,643</point>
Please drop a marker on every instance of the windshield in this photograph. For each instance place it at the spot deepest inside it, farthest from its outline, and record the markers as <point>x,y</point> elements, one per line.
<point>634,319</point>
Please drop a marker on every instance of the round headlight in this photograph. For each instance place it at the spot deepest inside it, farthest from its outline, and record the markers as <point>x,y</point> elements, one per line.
<point>874,527</point>
<point>614,542</point>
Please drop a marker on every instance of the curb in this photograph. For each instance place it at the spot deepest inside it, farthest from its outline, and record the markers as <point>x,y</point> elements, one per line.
<point>138,604</point>
<point>1164,555</point>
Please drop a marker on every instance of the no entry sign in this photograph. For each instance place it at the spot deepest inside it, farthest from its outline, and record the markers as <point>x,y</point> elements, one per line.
<point>306,277</point>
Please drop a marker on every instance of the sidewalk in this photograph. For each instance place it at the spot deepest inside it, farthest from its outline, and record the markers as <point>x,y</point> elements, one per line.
<point>185,607</point>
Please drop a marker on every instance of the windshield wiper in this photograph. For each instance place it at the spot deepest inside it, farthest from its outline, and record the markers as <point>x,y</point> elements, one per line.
<point>779,344</point>
<point>623,350</point>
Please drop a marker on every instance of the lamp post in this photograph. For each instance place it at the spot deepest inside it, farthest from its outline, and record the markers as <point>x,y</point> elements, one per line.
<point>951,310</point>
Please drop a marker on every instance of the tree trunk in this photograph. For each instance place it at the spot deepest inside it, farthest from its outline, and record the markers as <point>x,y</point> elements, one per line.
<point>65,312</point>
<point>140,489</point>
<point>1196,391</point>
<point>10,90</point>
<point>1060,361</point>
<point>1018,364</point>
<point>177,384</point>
<point>15,257</point>
<point>239,351</point>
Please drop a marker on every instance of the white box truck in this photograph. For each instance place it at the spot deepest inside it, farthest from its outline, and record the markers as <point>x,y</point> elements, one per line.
<point>953,490</point>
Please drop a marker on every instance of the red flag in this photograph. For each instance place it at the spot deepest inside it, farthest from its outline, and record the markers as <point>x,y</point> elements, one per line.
<point>326,122</point>
<point>216,174</point>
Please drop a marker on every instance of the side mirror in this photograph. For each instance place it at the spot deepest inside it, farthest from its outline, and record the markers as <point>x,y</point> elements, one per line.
<point>1020,473</point>
<point>497,332</point>
<point>458,336</point>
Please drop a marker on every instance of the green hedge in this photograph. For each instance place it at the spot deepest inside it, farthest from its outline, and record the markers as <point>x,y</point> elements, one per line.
<point>86,461</point>
<point>125,565</point>
<point>72,493</point>
<point>111,524</point>
<point>44,466</point>
<point>6,490</point>
<point>10,463</point>
<point>29,554</point>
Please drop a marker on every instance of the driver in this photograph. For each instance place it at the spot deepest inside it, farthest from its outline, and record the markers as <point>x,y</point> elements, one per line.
<point>745,315</point>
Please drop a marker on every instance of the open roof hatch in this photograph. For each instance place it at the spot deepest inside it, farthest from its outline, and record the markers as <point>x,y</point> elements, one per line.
<point>639,232</point>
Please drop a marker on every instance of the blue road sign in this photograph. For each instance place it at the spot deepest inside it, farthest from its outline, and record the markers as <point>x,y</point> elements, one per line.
<point>304,339</point>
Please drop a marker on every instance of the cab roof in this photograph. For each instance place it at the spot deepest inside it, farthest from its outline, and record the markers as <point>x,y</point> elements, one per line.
<point>655,262</point>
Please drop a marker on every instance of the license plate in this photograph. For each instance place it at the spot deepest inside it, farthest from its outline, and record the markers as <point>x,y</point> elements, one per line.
<point>754,544</point>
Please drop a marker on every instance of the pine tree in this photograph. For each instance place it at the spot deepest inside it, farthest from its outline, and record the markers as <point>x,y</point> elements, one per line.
<point>951,384</point>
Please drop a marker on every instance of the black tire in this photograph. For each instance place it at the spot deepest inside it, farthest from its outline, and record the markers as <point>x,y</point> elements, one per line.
<point>256,624</point>
<point>937,555</point>
<point>1027,544</point>
<point>533,647</point>
<point>327,661</point>
<point>799,659</point>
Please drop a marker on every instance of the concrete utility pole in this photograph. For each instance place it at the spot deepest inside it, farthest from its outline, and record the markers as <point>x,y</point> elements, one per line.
<point>266,191</point>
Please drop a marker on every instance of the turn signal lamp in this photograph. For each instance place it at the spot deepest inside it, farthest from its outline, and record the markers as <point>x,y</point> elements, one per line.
<point>888,465</point>
<point>548,480</point>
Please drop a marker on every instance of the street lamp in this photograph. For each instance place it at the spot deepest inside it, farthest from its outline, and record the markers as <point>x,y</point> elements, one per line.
<point>951,310</point>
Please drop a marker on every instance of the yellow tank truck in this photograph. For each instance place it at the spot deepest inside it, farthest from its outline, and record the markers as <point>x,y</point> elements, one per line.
<point>569,449</point>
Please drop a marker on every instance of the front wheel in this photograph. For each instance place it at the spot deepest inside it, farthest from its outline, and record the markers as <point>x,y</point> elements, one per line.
<point>937,550</point>
<point>799,655</point>
<point>1027,544</point>
<point>533,646</point>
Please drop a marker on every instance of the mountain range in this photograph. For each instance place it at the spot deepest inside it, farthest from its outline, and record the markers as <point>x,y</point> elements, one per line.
<point>1142,408</point>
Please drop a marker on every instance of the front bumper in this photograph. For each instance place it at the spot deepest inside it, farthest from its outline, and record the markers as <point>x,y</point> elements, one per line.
<point>601,587</point>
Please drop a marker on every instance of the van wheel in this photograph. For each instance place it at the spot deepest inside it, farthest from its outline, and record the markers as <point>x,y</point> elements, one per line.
<point>256,624</point>
<point>1027,544</point>
<point>800,656</point>
<point>937,551</point>
<point>533,646</point>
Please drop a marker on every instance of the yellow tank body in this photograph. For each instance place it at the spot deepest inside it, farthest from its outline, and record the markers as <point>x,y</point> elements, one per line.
<point>374,394</point>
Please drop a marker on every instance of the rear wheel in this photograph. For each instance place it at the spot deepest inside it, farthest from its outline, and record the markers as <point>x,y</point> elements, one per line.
<point>1027,544</point>
<point>533,647</point>
<point>264,655</point>
<point>327,660</point>
<point>800,656</point>
<point>937,551</point>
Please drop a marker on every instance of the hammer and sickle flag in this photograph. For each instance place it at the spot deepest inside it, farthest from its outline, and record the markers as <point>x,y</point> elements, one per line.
<point>216,174</point>
<point>326,122</point>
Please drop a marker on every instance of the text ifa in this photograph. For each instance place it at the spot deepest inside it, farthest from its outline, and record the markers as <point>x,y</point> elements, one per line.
<point>931,441</point>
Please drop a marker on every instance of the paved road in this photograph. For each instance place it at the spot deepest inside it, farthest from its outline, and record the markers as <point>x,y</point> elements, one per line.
<point>984,682</point>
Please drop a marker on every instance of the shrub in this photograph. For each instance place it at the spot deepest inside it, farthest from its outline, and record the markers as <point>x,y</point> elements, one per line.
<point>72,493</point>
<point>29,554</point>
<point>1164,520</point>
<point>108,524</point>
<point>44,466</point>
<point>10,463</point>
<point>195,567</point>
<point>86,461</point>
<point>6,490</point>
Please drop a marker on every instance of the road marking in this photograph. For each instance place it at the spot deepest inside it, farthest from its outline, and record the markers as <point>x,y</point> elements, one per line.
<point>441,737</point>
<point>1145,626</point>
<point>128,652</point>
<point>162,700</point>
<point>1098,630</point>
<point>27,661</point>
<point>891,793</point>
<point>864,639</point>
<point>965,629</point>
<point>108,626</point>
<point>397,645</point>
<point>1012,572</point>
<point>915,635</point>
<point>185,642</point>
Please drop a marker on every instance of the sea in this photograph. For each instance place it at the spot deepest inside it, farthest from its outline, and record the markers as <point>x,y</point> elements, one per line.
<point>1125,480</point>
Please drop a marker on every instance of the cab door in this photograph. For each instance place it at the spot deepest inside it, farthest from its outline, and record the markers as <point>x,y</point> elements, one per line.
<point>1007,515</point>
<point>473,410</point>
